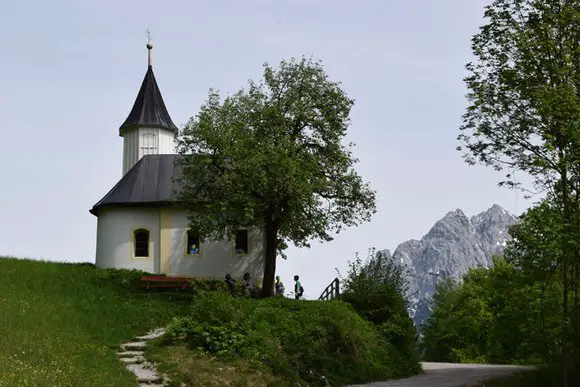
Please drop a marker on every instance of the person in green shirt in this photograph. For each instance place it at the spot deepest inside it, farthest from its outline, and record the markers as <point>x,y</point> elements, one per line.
<point>298,289</point>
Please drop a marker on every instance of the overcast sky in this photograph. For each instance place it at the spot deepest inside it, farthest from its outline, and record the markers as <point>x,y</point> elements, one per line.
<point>70,72</point>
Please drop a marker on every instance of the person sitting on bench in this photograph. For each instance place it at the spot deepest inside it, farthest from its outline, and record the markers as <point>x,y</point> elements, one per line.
<point>279,286</point>
<point>230,283</point>
<point>248,286</point>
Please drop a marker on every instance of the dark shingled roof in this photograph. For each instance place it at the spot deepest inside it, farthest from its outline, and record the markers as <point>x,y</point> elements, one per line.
<point>149,109</point>
<point>150,182</point>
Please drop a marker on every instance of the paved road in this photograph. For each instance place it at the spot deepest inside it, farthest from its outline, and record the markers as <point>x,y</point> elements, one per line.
<point>452,375</point>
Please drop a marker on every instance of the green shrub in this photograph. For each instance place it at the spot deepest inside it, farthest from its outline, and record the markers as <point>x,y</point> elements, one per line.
<point>213,285</point>
<point>207,285</point>
<point>302,341</point>
<point>226,339</point>
<point>376,289</point>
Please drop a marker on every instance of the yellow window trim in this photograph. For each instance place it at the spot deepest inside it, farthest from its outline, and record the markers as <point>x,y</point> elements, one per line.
<point>150,247</point>
<point>186,247</point>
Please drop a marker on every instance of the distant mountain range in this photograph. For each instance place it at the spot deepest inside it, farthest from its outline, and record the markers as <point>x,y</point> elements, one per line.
<point>452,246</point>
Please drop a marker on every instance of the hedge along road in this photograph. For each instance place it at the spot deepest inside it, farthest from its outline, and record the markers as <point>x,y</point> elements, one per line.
<point>452,375</point>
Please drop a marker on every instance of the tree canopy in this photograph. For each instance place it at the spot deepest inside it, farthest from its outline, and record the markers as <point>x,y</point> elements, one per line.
<point>524,114</point>
<point>494,315</point>
<point>524,95</point>
<point>272,156</point>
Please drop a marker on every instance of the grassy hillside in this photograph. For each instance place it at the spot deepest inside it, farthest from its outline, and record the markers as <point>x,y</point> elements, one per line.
<point>277,341</point>
<point>61,324</point>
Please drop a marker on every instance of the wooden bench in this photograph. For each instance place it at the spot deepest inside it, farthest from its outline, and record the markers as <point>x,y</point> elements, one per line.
<point>165,282</point>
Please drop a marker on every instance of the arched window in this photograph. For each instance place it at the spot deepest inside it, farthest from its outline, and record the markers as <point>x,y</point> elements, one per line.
<point>141,242</point>
<point>193,242</point>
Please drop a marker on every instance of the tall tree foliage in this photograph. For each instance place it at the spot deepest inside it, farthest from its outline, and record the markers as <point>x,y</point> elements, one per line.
<point>493,316</point>
<point>536,251</point>
<point>524,113</point>
<point>376,288</point>
<point>272,157</point>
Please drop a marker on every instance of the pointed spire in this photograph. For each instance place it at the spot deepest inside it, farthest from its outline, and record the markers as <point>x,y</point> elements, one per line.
<point>149,109</point>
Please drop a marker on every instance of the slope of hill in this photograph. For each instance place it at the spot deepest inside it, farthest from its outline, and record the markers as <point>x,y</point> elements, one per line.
<point>452,246</point>
<point>61,323</point>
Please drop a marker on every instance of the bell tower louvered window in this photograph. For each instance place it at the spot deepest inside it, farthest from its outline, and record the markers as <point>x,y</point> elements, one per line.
<point>149,144</point>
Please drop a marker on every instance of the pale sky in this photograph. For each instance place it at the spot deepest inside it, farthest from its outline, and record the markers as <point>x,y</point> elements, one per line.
<point>70,72</point>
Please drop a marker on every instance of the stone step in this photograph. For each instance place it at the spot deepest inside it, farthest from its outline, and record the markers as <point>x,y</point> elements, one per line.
<point>144,375</point>
<point>148,365</point>
<point>133,345</point>
<point>152,335</point>
<point>132,360</point>
<point>130,353</point>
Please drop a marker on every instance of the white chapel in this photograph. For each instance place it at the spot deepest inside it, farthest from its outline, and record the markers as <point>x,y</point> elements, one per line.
<point>139,226</point>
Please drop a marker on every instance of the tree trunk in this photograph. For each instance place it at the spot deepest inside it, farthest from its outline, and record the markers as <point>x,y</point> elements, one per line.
<point>566,268</point>
<point>271,250</point>
<point>565,321</point>
<point>574,318</point>
<point>576,326</point>
<point>543,318</point>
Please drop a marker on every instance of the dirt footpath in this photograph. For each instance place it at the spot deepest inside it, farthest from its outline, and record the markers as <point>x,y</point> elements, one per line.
<point>452,375</point>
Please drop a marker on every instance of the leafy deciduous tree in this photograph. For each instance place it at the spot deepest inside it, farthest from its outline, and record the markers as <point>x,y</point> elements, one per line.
<point>524,113</point>
<point>272,157</point>
<point>493,316</point>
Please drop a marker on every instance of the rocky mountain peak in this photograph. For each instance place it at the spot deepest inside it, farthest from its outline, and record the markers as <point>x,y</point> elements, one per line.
<point>454,222</point>
<point>452,246</point>
<point>495,214</point>
<point>457,214</point>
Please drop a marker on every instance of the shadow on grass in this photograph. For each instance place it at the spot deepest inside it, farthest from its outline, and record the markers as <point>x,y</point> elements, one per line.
<point>546,376</point>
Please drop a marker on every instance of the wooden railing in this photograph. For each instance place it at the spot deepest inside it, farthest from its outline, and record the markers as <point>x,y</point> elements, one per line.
<point>331,291</point>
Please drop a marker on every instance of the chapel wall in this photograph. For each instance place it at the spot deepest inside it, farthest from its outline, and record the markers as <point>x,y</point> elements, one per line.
<point>115,239</point>
<point>215,258</point>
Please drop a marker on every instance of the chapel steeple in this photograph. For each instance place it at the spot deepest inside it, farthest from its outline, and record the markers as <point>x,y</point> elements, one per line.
<point>149,109</point>
<point>148,129</point>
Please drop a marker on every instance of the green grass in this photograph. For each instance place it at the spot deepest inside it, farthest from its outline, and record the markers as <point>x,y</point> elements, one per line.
<point>61,324</point>
<point>295,341</point>
<point>195,369</point>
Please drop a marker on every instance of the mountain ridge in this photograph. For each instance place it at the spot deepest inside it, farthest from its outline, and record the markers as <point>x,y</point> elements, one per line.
<point>453,245</point>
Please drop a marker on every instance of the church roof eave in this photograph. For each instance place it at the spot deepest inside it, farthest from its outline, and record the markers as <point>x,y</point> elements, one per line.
<point>151,182</point>
<point>96,209</point>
